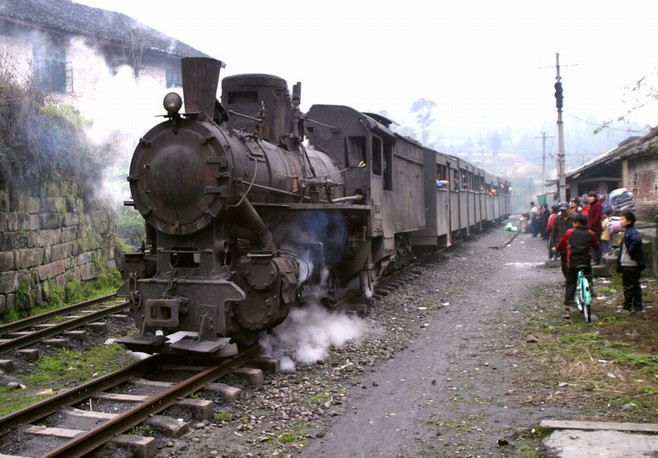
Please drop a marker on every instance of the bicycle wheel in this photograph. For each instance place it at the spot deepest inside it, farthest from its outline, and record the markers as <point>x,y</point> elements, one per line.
<point>579,296</point>
<point>586,299</point>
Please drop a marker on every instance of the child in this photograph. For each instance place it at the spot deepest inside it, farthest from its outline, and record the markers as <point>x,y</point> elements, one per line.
<point>631,264</point>
<point>605,231</point>
<point>579,242</point>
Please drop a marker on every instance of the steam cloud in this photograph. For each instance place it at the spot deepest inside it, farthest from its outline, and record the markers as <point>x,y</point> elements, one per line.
<point>308,334</point>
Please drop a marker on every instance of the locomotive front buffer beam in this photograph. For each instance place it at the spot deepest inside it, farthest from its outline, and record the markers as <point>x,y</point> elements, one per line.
<point>197,328</point>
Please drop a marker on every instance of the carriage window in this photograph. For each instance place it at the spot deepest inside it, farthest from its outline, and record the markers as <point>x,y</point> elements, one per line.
<point>376,156</point>
<point>355,151</point>
<point>442,177</point>
<point>388,166</point>
<point>463,179</point>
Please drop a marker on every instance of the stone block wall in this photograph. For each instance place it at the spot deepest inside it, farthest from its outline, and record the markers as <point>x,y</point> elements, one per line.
<point>643,182</point>
<point>51,235</point>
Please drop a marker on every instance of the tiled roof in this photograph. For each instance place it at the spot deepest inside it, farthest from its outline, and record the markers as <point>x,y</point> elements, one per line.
<point>107,27</point>
<point>631,147</point>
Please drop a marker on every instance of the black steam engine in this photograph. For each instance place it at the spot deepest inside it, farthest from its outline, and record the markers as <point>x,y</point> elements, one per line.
<point>245,219</point>
<point>242,219</point>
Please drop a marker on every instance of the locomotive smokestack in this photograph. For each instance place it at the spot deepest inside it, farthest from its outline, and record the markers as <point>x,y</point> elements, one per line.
<point>200,82</point>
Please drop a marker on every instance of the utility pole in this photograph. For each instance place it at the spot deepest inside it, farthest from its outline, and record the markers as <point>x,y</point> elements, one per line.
<point>543,161</point>
<point>561,174</point>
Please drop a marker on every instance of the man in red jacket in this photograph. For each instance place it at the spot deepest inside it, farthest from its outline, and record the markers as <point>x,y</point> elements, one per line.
<point>578,243</point>
<point>594,217</point>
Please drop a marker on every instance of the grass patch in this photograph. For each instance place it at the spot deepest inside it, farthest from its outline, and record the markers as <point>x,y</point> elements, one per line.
<point>56,296</point>
<point>62,370</point>
<point>223,417</point>
<point>608,368</point>
<point>296,438</point>
<point>141,430</point>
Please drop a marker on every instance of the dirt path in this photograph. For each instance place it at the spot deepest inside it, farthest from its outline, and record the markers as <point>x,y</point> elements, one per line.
<point>453,391</point>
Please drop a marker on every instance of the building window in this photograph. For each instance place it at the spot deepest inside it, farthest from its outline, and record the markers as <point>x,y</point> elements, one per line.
<point>51,71</point>
<point>174,79</point>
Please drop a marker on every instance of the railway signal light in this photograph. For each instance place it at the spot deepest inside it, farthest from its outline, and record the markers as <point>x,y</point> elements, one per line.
<point>558,95</point>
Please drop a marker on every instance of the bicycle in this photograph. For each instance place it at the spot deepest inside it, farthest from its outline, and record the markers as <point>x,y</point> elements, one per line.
<point>583,295</point>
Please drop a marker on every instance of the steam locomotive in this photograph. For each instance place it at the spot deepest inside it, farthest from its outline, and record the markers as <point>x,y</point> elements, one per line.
<point>252,207</point>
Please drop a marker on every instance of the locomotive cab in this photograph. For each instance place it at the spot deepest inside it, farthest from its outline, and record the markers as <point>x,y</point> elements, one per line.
<point>258,103</point>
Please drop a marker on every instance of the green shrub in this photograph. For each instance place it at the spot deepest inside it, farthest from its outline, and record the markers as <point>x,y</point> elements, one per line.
<point>130,227</point>
<point>74,291</point>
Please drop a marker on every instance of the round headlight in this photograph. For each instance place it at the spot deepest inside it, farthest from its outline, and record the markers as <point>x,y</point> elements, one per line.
<point>172,103</point>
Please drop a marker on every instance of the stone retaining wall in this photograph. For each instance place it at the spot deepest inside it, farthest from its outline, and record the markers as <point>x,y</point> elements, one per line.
<point>51,235</point>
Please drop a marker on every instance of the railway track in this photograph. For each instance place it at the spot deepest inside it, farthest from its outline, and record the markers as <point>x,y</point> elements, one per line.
<point>83,419</point>
<point>32,330</point>
<point>80,420</point>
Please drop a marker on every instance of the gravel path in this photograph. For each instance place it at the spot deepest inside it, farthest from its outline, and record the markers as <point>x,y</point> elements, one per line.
<point>435,372</point>
<point>453,392</point>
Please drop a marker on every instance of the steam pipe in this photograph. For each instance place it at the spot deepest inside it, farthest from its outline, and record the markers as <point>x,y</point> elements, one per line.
<point>355,198</point>
<point>252,220</point>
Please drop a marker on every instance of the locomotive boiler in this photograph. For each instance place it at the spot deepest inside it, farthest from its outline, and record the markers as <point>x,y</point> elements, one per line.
<point>243,220</point>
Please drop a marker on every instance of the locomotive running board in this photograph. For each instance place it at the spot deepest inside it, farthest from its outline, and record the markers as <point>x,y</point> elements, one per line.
<point>218,348</point>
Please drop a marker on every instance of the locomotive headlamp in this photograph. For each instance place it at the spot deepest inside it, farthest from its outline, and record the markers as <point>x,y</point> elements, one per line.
<point>172,103</point>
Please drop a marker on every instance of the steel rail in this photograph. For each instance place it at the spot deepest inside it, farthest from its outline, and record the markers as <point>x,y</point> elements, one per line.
<point>95,438</point>
<point>38,335</point>
<point>48,406</point>
<point>31,320</point>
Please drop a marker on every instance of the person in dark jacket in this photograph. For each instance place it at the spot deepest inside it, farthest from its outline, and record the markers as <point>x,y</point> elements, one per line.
<point>561,225</point>
<point>594,216</point>
<point>631,264</point>
<point>543,223</point>
<point>578,243</point>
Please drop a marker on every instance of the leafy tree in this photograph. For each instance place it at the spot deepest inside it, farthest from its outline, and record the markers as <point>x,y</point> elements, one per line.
<point>423,108</point>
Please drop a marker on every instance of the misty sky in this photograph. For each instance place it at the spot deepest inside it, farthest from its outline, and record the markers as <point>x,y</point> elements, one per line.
<point>486,64</point>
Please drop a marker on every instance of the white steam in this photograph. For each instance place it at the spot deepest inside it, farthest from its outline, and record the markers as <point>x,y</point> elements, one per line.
<point>121,108</point>
<point>308,334</point>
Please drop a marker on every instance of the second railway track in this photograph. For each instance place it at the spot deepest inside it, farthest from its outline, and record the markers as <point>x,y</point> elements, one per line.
<point>82,419</point>
<point>34,329</point>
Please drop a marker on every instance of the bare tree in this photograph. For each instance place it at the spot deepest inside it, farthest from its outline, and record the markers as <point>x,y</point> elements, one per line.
<point>642,93</point>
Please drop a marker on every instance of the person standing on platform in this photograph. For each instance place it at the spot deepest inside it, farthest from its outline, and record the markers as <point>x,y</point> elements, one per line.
<point>561,225</point>
<point>543,222</point>
<point>605,231</point>
<point>534,219</point>
<point>549,232</point>
<point>631,264</point>
<point>594,216</point>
